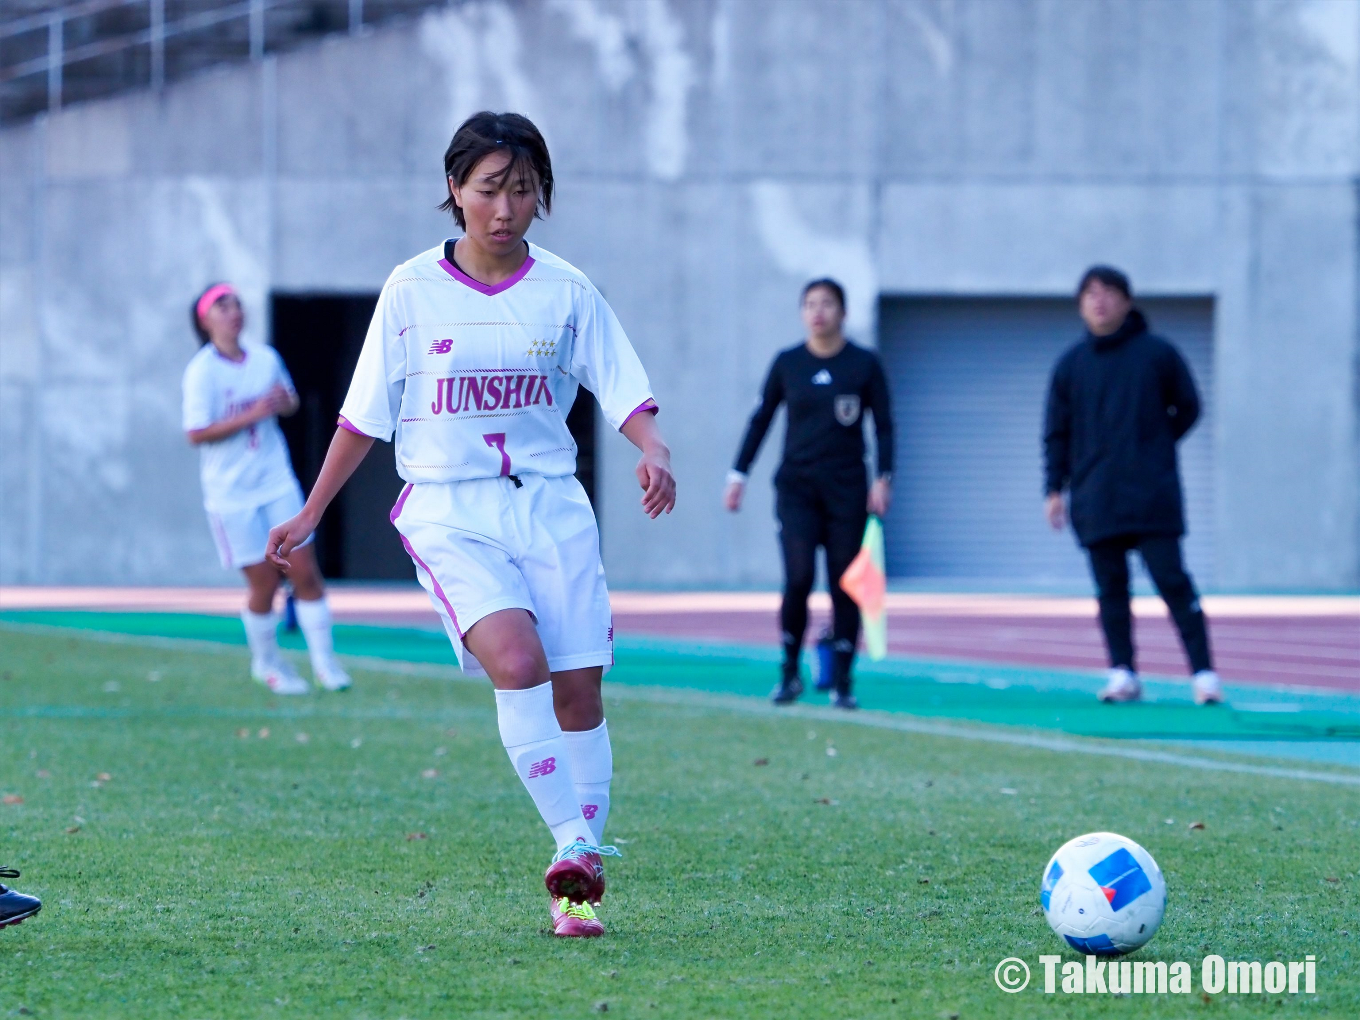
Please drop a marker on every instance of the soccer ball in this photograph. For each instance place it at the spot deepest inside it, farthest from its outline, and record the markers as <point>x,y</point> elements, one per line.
<point>1103,894</point>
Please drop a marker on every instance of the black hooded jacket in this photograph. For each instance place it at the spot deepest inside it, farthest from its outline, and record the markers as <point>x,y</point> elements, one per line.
<point>1117,406</point>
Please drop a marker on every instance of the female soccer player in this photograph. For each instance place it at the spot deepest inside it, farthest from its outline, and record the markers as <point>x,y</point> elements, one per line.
<point>233,395</point>
<point>822,496</point>
<point>473,359</point>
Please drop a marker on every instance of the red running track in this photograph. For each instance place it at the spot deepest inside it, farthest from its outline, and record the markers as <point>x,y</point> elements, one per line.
<point>1303,641</point>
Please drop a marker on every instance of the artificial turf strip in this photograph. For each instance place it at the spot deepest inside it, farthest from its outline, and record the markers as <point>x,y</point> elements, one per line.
<point>218,872</point>
<point>913,688</point>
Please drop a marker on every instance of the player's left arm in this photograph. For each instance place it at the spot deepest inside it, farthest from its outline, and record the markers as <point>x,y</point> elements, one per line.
<point>654,466</point>
<point>1179,395</point>
<point>880,402</point>
<point>604,360</point>
<point>282,396</point>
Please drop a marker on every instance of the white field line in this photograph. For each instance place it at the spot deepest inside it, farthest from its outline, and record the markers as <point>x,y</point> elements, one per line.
<point>755,706</point>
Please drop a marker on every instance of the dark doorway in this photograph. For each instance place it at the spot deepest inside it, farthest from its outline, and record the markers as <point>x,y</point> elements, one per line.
<point>319,337</point>
<point>581,422</point>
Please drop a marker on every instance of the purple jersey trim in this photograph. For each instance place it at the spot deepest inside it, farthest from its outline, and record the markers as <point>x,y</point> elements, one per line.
<point>345,424</point>
<point>647,405</point>
<point>482,288</point>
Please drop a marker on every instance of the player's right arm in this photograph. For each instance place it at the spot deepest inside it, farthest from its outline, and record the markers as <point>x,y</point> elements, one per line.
<point>370,411</point>
<point>347,451</point>
<point>277,401</point>
<point>770,398</point>
<point>1057,444</point>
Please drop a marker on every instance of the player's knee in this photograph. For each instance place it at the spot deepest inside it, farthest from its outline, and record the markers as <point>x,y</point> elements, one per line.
<point>518,669</point>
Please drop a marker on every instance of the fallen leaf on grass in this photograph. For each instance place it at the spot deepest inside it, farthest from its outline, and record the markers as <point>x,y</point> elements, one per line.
<point>72,830</point>
<point>923,881</point>
<point>1330,879</point>
<point>601,1007</point>
<point>357,743</point>
<point>425,949</point>
<point>429,773</point>
<point>415,835</point>
<point>1008,791</point>
<point>831,752</point>
<point>301,738</point>
<point>439,752</point>
<point>1196,825</point>
<point>761,761</point>
<point>44,774</point>
<point>827,800</point>
<point>104,777</point>
<point>243,733</point>
<point>264,733</point>
<point>11,798</point>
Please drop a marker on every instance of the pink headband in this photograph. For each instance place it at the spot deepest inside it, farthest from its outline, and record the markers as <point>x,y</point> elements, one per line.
<point>210,297</point>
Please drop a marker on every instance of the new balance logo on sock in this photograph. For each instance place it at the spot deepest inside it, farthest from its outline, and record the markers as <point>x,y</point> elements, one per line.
<point>588,810</point>
<point>542,768</point>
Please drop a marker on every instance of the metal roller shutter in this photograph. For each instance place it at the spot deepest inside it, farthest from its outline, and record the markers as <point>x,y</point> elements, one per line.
<point>969,377</point>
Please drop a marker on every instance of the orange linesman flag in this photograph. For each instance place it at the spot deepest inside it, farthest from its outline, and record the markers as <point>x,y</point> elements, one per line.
<point>866,581</point>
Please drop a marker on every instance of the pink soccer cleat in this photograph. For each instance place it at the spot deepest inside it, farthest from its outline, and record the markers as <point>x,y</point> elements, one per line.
<point>574,920</point>
<point>577,873</point>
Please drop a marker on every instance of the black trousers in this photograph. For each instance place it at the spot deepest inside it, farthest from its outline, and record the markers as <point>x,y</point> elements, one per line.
<point>1162,556</point>
<point>831,513</point>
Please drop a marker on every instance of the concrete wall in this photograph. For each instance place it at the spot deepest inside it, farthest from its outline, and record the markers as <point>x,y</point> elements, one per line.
<point>711,154</point>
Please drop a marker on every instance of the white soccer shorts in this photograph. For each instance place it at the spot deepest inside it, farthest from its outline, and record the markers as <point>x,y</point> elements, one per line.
<point>242,535</point>
<point>486,544</point>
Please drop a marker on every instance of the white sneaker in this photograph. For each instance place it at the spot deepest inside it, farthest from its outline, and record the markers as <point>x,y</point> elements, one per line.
<point>332,676</point>
<point>280,677</point>
<point>1207,687</point>
<point>1123,686</point>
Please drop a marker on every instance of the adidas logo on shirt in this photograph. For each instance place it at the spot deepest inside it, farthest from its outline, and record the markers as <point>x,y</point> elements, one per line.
<point>822,378</point>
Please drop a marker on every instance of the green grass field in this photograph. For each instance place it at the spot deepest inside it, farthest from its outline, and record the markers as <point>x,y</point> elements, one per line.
<point>373,855</point>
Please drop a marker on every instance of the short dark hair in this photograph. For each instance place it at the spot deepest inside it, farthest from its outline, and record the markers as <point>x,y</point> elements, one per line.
<point>1108,275</point>
<point>486,132</point>
<point>829,284</point>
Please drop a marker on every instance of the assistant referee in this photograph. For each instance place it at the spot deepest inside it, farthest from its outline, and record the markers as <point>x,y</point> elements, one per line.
<point>822,494</point>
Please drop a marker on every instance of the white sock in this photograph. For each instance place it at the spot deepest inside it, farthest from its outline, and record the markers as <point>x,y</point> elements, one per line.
<point>592,767</point>
<point>533,739</point>
<point>262,634</point>
<point>315,620</point>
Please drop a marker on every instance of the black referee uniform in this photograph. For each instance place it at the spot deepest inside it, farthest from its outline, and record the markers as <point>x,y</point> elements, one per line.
<point>821,488</point>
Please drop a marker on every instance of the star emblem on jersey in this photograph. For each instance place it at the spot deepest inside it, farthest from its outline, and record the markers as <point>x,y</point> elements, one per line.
<point>441,346</point>
<point>541,349</point>
<point>822,378</point>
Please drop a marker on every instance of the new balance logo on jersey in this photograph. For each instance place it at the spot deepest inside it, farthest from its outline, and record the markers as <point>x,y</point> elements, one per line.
<point>441,346</point>
<point>542,768</point>
<point>822,378</point>
<point>500,391</point>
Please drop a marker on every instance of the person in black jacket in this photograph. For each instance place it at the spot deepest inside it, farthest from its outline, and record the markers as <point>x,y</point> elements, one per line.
<point>822,494</point>
<point>1118,403</point>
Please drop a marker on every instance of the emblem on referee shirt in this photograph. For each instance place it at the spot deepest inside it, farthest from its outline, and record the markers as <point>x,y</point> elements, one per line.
<point>847,409</point>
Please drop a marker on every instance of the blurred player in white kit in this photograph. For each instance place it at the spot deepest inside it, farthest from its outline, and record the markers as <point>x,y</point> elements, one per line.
<point>233,395</point>
<point>472,361</point>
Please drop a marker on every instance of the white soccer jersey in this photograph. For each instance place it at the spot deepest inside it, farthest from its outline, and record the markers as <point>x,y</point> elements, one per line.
<point>250,468</point>
<point>476,381</point>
